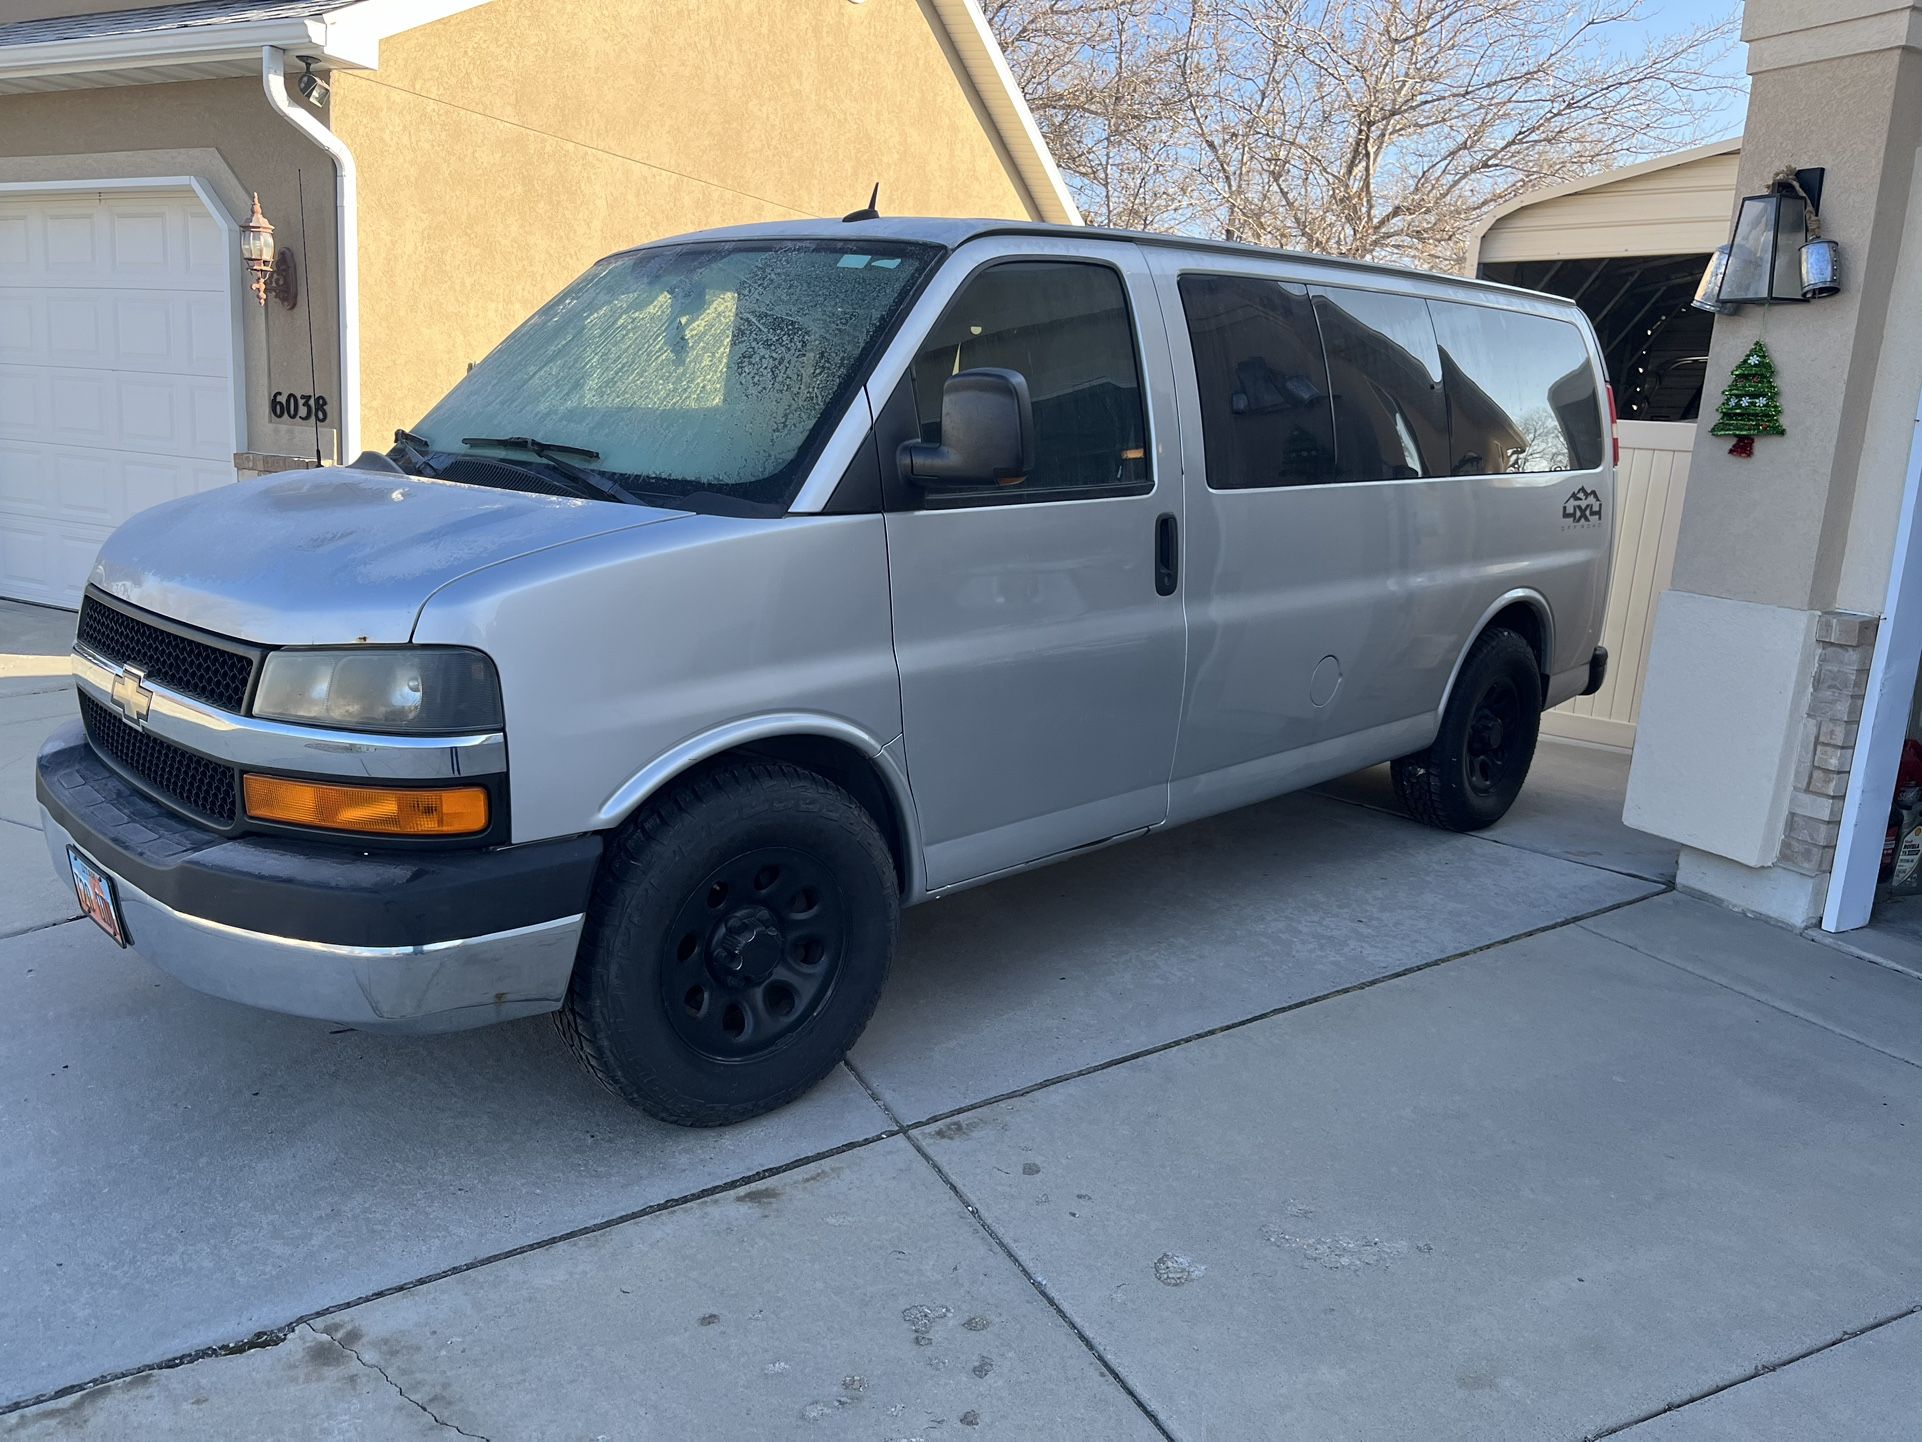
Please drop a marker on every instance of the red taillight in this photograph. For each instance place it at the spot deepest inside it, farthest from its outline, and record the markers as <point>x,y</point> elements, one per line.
<point>1614,426</point>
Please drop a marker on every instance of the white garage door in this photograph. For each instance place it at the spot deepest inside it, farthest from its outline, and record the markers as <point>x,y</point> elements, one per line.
<point>116,365</point>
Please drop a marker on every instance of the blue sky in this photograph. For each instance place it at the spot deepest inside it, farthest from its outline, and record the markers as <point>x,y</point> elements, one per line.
<point>1663,15</point>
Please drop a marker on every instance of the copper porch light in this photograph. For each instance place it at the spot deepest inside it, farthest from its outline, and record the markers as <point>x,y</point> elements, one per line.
<point>257,249</point>
<point>272,269</point>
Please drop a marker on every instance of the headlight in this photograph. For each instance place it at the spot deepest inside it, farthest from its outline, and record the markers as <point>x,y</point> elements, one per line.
<point>402,688</point>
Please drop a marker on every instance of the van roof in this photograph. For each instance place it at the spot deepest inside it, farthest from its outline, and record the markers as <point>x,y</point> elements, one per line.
<point>949,233</point>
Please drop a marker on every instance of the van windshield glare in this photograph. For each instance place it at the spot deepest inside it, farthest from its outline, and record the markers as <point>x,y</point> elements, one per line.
<point>707,371</point>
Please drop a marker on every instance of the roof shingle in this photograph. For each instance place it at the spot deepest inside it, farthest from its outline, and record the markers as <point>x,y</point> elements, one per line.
<point>189,15</point>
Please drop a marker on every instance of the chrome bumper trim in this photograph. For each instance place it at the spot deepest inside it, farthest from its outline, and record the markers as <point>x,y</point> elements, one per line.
<point>279,746</point>
<point>433,986</point>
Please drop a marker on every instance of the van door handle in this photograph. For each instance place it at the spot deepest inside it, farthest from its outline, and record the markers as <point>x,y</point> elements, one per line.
<point>1167,554</point>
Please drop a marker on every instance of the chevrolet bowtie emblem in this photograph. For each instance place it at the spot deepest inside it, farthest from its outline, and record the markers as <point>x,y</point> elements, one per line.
<point>131,695</point>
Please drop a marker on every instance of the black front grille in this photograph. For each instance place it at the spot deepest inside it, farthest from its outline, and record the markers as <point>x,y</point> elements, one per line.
<point>210,672</point>
<point>203,787</point>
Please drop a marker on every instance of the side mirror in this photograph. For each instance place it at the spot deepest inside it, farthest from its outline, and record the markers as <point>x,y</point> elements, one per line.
<point>987,434</point>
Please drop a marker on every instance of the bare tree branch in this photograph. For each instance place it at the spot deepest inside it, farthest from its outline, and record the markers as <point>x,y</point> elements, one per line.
<point>1379,128</point>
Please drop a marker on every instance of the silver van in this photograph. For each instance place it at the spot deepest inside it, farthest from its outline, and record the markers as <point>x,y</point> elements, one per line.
<point>771,579</point>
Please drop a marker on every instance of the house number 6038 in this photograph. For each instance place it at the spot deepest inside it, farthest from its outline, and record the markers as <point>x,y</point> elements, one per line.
<point>296,406</point>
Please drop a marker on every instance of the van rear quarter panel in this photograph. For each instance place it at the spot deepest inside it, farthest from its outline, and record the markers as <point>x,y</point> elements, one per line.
<point>616,650</point>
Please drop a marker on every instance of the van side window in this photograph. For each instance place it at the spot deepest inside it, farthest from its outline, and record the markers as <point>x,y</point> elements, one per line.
<point>1521,392</point>
<point>1265,416</point>
<point>1064,325</point>
<point>1391,417</point>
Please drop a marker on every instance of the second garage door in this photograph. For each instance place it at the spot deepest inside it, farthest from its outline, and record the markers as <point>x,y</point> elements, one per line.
<point>116,373</point>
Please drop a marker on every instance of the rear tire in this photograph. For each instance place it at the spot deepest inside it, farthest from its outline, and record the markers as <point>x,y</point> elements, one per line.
<point>736,944</point>
<point>1474,770</point>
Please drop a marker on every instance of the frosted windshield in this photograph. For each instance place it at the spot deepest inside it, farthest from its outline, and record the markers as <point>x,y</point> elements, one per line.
<point>701,367</point>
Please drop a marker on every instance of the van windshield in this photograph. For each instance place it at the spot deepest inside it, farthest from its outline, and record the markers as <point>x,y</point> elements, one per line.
<point>680,374</point>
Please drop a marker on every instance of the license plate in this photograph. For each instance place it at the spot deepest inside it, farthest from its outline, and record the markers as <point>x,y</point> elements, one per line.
<point>94,888</point>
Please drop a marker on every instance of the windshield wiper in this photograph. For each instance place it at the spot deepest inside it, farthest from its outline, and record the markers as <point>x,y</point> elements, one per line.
<point>413,449</point>
<point>556,456</point>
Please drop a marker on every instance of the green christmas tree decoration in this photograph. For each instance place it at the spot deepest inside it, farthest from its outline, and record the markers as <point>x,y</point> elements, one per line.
<point>1751,404</point>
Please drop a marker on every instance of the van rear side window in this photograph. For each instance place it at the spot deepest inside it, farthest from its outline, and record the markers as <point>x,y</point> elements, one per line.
<point>1521,392</point>
<point>1391,421</point>
<point>1265,413</point>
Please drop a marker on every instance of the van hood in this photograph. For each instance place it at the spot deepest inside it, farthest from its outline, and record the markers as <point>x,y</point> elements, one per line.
<point>335,555</point>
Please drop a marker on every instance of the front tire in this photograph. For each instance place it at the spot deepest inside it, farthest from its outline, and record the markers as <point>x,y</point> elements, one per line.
<point>1474,770</point>
<point>736,944</point>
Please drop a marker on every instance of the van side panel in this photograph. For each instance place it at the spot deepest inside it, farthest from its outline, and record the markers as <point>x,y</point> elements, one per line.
<point>1325,621</point>
<point>615,651</point>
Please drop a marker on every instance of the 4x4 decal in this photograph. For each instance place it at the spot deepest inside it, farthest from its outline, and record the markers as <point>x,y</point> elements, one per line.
<point>1583,508</point>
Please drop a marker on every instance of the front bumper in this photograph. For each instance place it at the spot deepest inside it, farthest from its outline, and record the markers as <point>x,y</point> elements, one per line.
<point>380,940</point>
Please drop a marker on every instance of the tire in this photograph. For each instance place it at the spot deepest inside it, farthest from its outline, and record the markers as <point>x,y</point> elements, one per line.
<point>1474,770</point>
<point>736,943</point>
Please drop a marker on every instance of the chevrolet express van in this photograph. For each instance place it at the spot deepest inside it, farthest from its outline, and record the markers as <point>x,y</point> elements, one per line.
<point>769,580</point>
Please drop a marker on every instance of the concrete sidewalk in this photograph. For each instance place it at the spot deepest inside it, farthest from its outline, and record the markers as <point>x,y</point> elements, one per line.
<point>1302,1122</point>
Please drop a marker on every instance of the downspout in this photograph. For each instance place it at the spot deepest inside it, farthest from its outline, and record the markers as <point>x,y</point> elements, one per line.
<point>273,79</point>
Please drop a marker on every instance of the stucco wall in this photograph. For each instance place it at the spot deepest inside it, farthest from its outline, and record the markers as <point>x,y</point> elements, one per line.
<point>1746,533</point>
<point>1783,558</point>
<point>224,132</point>
<point>503,150</point>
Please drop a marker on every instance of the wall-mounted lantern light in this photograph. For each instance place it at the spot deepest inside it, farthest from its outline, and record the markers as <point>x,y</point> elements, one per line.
<point>1708,294</point>
<point>272,269</point>
<point>1777,252</point>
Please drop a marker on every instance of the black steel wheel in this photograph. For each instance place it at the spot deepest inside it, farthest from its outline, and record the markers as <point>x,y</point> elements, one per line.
<point>753,952</point>
<point>1494,738</point>
<point>736,944</point>
<point>1474,770</point>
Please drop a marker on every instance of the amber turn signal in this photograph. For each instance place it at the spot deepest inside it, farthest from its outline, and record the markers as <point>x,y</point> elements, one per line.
<point>383,810</point>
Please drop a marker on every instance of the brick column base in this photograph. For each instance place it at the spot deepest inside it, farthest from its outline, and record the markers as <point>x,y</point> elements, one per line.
<point>1845,645</point>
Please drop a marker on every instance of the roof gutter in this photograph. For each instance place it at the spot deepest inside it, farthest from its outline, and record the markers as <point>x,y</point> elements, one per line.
<point>273,79</point>
<point>198,45</point>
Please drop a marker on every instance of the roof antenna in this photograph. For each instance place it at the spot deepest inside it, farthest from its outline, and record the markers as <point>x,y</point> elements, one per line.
<point>867,212</point>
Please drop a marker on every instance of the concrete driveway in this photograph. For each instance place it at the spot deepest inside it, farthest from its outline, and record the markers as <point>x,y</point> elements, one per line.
<point>1302,1122</point>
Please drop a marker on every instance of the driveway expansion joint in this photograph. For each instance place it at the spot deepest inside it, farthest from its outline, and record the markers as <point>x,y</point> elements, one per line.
<point>1763,1370</point>
<point>274,1336</point>
<point>40,926</point>
<point>1261,1016</point>
<point>1770,1002</point>
<point>1382,810</point>
<point>1001,1246</point>
<point>422,1407</point>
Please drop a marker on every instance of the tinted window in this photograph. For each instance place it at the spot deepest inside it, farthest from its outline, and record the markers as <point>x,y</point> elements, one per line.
<point>1391,421</point>
<point>1065,327</point>
<point>1265,418</point>
<point>1521,392</point>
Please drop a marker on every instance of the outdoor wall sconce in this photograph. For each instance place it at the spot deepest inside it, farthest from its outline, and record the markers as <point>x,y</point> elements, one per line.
<point>273,273</point>
<point>1777,252</point>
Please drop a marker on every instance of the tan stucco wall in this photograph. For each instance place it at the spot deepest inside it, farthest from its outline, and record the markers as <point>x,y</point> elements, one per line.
<point>225,133</point>
<point>1781,556</point>
<point>503,150</point>
<point>1747,530</point>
